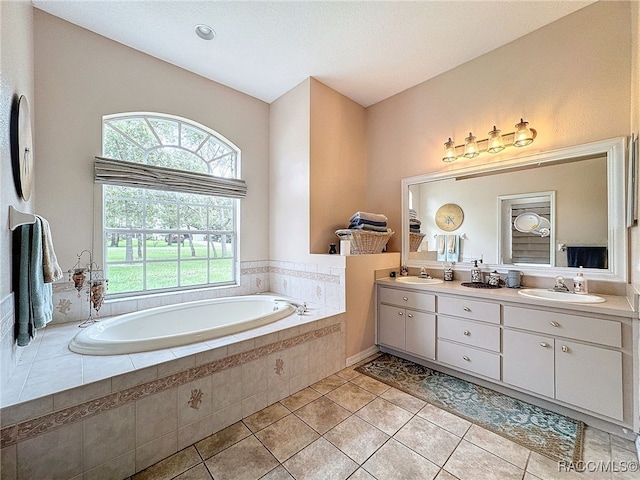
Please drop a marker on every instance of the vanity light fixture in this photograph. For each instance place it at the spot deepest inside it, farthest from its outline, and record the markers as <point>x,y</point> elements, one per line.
<point>521,137</point>
<point>205,32</point>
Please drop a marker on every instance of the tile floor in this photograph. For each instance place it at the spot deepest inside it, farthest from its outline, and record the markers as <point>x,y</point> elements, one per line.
<point>352,426</point>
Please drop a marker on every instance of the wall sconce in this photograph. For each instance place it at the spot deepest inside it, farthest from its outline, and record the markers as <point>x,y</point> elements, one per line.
<point>495,143</point>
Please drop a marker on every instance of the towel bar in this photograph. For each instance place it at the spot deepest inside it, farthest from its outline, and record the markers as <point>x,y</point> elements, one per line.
<point>17,218</point>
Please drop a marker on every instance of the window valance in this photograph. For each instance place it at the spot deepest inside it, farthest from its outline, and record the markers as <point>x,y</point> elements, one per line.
<point>140,175</point>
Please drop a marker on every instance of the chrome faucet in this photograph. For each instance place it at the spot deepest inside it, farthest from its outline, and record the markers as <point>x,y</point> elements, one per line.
<point>560,286</point>
<point>423,273</point>
<point>300,308</point>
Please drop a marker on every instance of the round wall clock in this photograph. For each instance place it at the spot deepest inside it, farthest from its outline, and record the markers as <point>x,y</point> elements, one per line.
<point>449,217</point>
<point>22,147</point>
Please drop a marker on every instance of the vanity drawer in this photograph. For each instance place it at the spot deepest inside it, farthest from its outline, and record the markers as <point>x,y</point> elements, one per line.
<point>473,309</point>
<point>407,298</point>
<point>588,329</point>
<point>471,333</point>
<point>469,358</point>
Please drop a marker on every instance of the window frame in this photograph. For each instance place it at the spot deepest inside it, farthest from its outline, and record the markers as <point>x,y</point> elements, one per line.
<point>100,223</point>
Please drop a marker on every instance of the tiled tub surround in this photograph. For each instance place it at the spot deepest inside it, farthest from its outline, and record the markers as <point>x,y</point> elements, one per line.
<point>315,283</point>
<point>110,425</point>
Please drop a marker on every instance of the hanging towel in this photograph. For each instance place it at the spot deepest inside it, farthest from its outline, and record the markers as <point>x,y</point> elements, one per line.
<point>34,305</point>
<point>50,267</point>
<point>587,257</point>
<point>441,241</point>
<point>453,248</point>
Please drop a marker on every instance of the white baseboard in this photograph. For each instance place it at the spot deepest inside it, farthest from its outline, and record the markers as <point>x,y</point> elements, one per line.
<point>362,355</point>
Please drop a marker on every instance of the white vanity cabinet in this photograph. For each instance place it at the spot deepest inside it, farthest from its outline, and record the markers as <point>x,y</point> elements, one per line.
<point>406,321</point>
<point>469,335</point>
<point>572,358</point>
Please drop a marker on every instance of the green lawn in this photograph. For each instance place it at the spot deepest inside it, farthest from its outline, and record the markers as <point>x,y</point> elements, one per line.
<point>163,265</point>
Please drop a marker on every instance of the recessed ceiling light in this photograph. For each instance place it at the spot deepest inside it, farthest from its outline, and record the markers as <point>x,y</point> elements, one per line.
<point>205,32</point>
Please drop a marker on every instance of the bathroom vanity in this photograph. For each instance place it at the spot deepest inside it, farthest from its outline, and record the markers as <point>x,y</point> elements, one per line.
<point>559,355</point>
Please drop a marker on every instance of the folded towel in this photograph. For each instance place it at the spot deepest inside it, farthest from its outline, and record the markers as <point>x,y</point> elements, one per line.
<point>363,221</point>
<point>441,240</point>
<point>374,217</point>
<point>441,254</point>
<point>413,213</point>
<point>414,221</point>
<point>415,229</point>
<point>451,243</point>
<point>34,305</point>
<point>50,267</point>
<point>453,248</point>
<point>372,228</point>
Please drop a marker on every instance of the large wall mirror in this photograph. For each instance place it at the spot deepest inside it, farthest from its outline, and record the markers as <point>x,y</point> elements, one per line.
<point>570,205</point>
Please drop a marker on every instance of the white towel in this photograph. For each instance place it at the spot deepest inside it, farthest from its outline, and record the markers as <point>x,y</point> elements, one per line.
<point>50,267</point>
<point>441,242</point>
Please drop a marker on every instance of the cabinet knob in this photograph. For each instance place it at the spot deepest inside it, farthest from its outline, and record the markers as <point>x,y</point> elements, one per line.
<point>554,324</point>
<point>465,358</point>
<point>400,313</point>
<point>410,315</point>
<point>466,309</point>
<point>544,344</point>
<point>565,349</point>
<point>406,299</point>
<point>466,333</point>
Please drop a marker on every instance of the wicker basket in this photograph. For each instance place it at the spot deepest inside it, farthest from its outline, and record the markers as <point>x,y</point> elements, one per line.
<point>365,241</point>
<point>415,239</point>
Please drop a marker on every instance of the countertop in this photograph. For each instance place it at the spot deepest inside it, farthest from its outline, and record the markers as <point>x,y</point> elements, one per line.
<point>613,305</point>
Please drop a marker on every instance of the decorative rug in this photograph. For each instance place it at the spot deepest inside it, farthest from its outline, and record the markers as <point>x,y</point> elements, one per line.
<point>548,433</point>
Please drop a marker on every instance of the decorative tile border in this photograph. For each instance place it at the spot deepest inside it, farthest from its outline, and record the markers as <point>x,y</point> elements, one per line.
<point>31,428</point>
<point>320,277</point>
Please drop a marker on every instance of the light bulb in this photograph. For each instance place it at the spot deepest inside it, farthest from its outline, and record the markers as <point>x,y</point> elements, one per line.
<point>523,135</point>
<point>470,147</point>
<point>496,144</point>
<point>449,151</point>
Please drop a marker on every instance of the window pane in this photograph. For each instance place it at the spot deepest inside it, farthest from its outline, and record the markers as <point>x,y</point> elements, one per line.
<point>176,158</point>
<point>166,130</point>
<point>167,249</point>
<point>191,138</point>
<point>137,130</point>
<point>221,270</point>
<point>193,272</point>
<point>125,278</point>
<point>162,275</point>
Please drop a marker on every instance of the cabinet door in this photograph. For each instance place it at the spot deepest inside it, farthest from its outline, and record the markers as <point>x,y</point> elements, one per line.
<point>391,326</point>
<point>527,361</point>
<point>421,334</point>
<point>589,377</point>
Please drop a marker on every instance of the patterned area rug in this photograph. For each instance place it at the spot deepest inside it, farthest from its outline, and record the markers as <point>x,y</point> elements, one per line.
<point>548,433</point>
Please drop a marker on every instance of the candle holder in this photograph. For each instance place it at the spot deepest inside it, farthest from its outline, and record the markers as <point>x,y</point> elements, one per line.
<point>91,276</point>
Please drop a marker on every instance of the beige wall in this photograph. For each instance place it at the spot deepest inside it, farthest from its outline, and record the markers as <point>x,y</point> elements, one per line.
<point>337,164</point>
<point>80,77</point>
<point>570,80</point>
<point>635,127</point>
<point>16,78</point>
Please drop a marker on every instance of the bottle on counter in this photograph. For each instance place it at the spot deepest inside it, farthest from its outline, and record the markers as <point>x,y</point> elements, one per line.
<point>476,273</point>
<point>580,284</point>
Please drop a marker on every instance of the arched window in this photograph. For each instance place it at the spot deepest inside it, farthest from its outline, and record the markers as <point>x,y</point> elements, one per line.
<point>170,203</point>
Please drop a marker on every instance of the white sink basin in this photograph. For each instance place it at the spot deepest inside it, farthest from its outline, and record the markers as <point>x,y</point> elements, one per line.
<point>419,280</point>
<point>567,297</point>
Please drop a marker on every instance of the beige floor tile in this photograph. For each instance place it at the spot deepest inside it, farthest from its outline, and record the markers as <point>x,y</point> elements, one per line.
<point>278,473</point>
<point>265,417</point>
<point>444,419</point>
<point>286,437</point>
<point>623,443</point>
<point>300,399</point>
<point>500,446</point>
<point>322,414</point>
<point>217,442</point>
<point>384,415</point>
<point>325,385</point>
<point>246,460</point>
<point>357,438</point>
<point>470,462</point>
<point>626,463</point>
<point>351,396</point>
<point>371,384</point>
<point>320,461</point>
<point>444,475</point>
<point>172,466</point>
<point>394,461</point>
<point>361,474</point>
<point>404,400</point>
<point>348,373</point>
<point>547,469</point>
<point>596,445</point>
<point>199,472</point>
<point>429,440</point>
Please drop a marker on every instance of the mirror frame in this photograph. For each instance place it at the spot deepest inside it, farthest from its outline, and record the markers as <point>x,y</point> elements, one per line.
<point>615,151</point>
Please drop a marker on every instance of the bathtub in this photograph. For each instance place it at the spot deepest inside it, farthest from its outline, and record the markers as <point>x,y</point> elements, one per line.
<point>181,324</point>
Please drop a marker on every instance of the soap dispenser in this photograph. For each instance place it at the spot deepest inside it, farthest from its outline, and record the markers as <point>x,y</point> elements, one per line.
<point>476,273</point>
<point>580,284</point>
